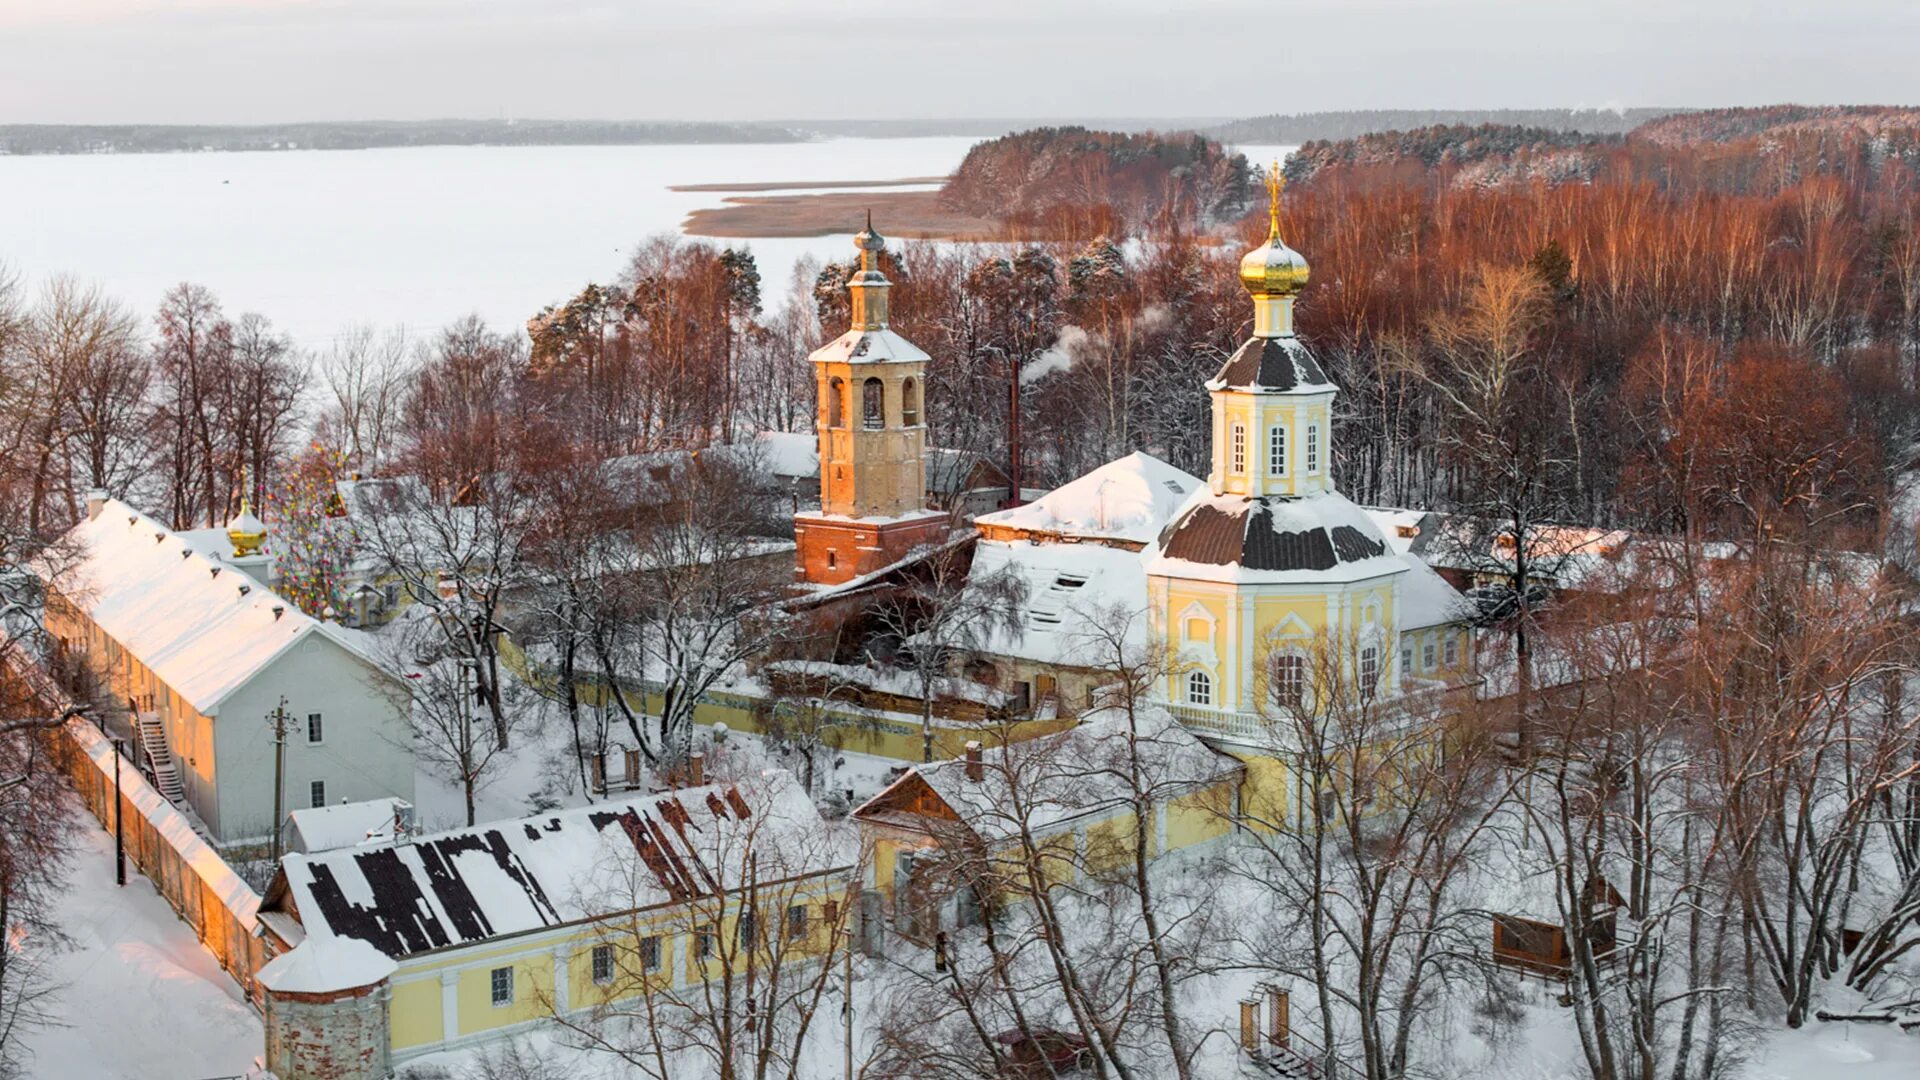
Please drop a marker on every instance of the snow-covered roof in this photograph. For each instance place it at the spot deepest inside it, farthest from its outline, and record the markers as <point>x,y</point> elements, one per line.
<point>474,884</point>
<point>1077,596</point>
<point>325,965</point>
<point>323,828</point>
<point>1308,539</point>
<point>1130,499</point>
<point>1425,597</point>
<point>203,626</point>
<point>1053,779</point>
<point>869,346</point>
<point>1401,528</point>
<point>791,454</point>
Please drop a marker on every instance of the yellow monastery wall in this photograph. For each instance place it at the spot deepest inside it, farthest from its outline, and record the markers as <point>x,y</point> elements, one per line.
<point>418,988</point>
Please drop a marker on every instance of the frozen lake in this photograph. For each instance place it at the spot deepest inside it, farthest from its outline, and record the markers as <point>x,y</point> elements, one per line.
<point>319,241</point>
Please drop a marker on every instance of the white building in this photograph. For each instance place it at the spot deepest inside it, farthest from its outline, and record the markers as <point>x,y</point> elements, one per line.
<point>204,654</point>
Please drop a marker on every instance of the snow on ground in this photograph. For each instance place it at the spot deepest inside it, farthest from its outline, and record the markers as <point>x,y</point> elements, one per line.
<point>143,998</point>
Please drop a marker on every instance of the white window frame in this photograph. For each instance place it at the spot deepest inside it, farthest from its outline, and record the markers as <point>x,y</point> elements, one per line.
<point>600,964</point>
<point>1237,464</point>
<point>1429,652</point>
<point>1452,651</point>
<point>1199,689</point>
<point>497,979</point>
<point>1277,450</point>
<point>650,953</point>
<point>1313,449</point>
<point>1296,665</point>
<point>317,793</point>
<point>316,729</point>
<point>1369,679</point>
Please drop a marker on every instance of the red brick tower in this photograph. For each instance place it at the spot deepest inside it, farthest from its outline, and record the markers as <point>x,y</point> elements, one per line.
<point>872,425</point>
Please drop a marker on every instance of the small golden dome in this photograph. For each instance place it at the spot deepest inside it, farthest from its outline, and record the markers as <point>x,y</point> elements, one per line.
<point>1273,268</point>
<point>247,532</point>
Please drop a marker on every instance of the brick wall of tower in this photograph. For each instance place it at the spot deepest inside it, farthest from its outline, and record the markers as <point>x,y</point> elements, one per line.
<point>871,471</point>
<point>337,1036</point>
<point>830,550</point>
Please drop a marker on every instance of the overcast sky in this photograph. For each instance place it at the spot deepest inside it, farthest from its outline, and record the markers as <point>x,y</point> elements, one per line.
<point>246,61</point>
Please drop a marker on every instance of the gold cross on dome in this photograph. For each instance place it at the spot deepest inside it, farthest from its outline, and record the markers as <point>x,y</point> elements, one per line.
<point>1275,182</point>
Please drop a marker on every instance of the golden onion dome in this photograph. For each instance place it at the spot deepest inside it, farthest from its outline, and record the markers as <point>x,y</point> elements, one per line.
<point>1273,268</point>
<point>247,532</point>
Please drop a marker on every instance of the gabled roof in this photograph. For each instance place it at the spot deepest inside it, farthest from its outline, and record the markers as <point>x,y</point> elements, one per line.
<point>470,885</point>
<point>1272,364</point>
<point>1051,780</point>
<point>1129,499</point>
<point>203,626</point>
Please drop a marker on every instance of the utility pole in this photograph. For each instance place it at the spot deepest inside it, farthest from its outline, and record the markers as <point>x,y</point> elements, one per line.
<point>846,988</point>
<point>278,717</point>
<point>119,845</point>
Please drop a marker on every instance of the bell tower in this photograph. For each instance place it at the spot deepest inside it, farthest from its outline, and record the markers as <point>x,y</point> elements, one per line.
<point>871,386</point>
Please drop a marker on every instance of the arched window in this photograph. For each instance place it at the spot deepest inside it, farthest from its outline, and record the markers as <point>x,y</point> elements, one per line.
<point>1313,449</point>
<point>1369,672</point>
<point>1239,467</point>
<point>1199,689</point>
<point>1289,680</point>
<point>836,398</point>
<point>910,403</point>
<point>1277,450</point>
<point>873,404</point>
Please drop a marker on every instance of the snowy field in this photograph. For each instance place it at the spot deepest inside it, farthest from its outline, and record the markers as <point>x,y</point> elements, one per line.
<point>322,240</point>
<point>143,1000</point>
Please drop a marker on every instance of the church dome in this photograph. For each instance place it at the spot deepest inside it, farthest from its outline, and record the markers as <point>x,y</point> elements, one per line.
<point>247,532</point>
<point>1273,269</point>
<point>1321,534</point>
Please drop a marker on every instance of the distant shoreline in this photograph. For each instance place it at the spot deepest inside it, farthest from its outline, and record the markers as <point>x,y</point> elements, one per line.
<point>909,215</point>
<point>796,185</point>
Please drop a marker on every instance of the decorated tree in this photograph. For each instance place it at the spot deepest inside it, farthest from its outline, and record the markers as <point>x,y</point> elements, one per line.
<point>313,537</point>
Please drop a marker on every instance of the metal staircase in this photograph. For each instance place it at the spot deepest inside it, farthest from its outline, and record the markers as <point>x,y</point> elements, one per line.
<point>153,743</point>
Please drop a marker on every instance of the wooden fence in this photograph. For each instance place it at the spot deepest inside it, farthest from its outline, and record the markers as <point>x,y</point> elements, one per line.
<point>213,899</point>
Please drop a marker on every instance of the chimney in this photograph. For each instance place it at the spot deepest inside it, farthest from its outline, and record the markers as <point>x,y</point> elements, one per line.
<point>976,771</point>
<point>96,502</point>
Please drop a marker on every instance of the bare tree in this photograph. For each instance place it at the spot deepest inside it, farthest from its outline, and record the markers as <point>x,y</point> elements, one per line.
<point>727,981</point>
<point>936,611</point>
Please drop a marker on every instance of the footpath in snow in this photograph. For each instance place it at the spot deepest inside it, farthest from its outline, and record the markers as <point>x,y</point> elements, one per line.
<point>141,998</point>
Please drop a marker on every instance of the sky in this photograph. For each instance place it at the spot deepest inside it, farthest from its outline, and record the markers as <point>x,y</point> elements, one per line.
<point>262,61</point>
